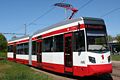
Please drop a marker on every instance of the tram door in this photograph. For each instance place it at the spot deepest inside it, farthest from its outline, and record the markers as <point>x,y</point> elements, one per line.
<point>39,52</point>
<point>68,61</point>
<point>14,51</point>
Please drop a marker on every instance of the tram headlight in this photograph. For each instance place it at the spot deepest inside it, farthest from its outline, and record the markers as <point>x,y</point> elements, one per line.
<point>92,59</point>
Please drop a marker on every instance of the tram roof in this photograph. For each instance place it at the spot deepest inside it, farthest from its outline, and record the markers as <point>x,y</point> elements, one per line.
<point>86,21</point>
<point>18,38</point>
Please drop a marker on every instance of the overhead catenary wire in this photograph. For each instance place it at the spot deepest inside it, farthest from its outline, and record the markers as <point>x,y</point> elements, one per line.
<point>44,14</point>
<point>48,11</point>
<point>11,33</point>
<point>84,5</point>
<point>88,2</point>
<point>116,9</point>
<point>31,23</point>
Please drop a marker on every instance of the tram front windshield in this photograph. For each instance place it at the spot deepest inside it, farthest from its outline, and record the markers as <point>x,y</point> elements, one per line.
<point>96,39</point>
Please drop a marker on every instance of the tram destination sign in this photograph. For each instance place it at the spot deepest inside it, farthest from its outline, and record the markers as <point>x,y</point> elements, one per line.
<point>94,26</point>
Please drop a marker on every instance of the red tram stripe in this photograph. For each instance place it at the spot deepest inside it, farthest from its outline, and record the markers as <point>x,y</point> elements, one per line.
<point>19,42</point>
<point>70,29</point>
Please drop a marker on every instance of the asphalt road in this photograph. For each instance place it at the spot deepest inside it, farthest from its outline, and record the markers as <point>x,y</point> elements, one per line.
<point>116,70</point>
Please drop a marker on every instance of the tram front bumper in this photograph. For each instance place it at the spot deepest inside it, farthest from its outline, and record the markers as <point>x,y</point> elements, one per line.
<point>100,69</point>
<point>91,70</point>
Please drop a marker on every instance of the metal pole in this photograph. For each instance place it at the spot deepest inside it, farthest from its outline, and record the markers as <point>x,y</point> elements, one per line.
<point>30,50</point>
<point>25,29</point>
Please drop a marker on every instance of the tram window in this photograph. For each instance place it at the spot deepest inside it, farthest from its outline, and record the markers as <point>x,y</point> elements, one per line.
<point>79,41</point>
<point>58,43</point>
<point>19,49</point>
<point>10,48</point>
<point>22,48</point>
<point>25,47</point>
<point>34,47</point>
<point>47,45</point>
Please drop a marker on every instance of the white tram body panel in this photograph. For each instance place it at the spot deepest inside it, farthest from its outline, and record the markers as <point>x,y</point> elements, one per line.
<point>99,58</point>
<point>10,55</point>
<point>34,58</point>
<point>22,57</point>
<point>80,59</point>
<point>54,58</point>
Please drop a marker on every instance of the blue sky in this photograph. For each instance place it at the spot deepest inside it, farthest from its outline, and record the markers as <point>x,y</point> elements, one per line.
<point>15,13</point>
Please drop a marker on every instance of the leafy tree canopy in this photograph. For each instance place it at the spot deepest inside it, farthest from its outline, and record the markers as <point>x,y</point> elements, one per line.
<point>3,46</point>
<point>118,38</point>
<point>110,38</point>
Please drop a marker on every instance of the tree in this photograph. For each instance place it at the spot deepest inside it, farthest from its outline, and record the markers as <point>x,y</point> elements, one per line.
<point>110,38</point>
<point>3,46</point>
<point>118,40</point>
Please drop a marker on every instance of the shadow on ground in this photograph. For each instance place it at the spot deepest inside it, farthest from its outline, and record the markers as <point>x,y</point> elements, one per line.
<point>99,77</point>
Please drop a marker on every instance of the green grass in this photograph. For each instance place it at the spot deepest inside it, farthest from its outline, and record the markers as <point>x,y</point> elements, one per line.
<point>15,71</point>
<point>115,57</point>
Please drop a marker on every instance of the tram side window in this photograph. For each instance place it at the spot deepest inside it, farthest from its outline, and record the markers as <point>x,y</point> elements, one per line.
<point>22,48</point>
<point>25,47</point>
<point>10,48</point>
<point>47,45</point>
<point>34,47</point>
<point>19,48</point>
<point>58,43</point>
<point>79,41</point>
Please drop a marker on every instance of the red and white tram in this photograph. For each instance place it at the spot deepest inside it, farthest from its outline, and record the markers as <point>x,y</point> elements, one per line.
<point>76,46</point>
